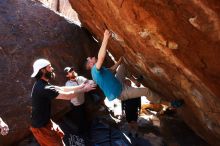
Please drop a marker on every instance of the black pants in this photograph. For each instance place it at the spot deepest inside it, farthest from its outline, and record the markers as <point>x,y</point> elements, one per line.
<point>77,116</point>
<point>131,107</point>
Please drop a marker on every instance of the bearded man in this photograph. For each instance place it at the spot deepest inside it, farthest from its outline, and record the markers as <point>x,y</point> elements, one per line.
<point>43,128</point>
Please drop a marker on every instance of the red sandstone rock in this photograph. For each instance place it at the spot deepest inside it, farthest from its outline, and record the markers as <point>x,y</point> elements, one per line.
<point>175,45</point>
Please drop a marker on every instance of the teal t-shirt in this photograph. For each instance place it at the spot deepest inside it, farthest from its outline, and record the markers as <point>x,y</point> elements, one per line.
<point>106,80</point>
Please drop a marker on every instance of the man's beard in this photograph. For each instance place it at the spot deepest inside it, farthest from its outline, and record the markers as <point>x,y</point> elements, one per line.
<point>49,75</point>
<point>74,75</point>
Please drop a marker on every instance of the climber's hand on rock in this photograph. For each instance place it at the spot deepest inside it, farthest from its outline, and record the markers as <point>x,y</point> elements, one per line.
<point>107,34</point>
<point>137,83</point>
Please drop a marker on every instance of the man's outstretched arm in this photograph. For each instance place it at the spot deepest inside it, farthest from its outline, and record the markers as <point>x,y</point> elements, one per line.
<point>102,50</point>
<point>73,92</point>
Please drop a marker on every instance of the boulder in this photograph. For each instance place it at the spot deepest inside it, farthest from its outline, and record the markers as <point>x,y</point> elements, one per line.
<point>175,45</point>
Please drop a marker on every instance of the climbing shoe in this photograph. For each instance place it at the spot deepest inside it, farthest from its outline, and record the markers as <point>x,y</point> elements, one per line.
<point>177,103</point>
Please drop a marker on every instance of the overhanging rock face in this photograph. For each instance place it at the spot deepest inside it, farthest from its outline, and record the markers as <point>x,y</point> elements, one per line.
<point>175,45</point>
<point>29,31</point>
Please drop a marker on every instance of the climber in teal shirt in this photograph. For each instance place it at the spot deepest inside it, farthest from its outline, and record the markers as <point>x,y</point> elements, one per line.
<point>112,82</point>
<point>105,77</point>
<point>107,82</point>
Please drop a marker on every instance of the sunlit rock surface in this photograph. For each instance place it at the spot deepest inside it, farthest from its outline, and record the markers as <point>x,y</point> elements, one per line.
<point>175,45</point>
<point>29,31</point>
<point>62,7</point>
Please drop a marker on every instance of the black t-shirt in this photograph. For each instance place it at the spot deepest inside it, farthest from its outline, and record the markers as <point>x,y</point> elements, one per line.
<point>42,94</point>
